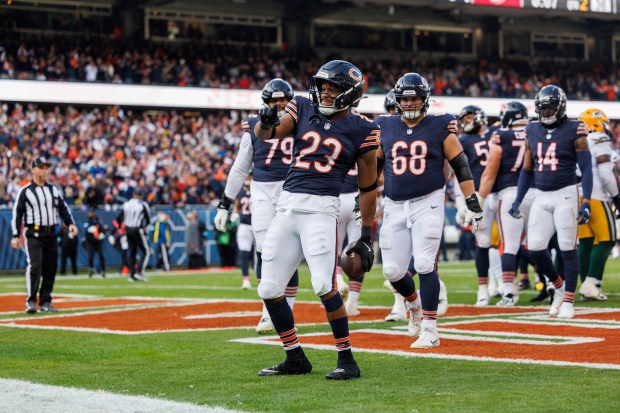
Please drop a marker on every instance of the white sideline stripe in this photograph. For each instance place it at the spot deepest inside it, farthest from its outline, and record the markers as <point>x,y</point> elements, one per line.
<point>273,342</point>
<point>516,338</point>
<point>23,397</point>
<point>547,322</point>
<point>226,315</point>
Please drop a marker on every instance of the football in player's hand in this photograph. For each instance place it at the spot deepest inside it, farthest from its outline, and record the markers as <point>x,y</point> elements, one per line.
<point>351,263</point>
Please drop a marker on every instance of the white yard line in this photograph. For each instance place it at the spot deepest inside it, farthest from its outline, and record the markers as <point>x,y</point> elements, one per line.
<point>23,397</point>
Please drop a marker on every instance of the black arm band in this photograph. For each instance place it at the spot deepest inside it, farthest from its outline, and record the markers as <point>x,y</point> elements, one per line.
<point>369,188</point>
<point>273,132</point>
<point>461,167</point>
<point>380,163</point>
<point>366,234</point>
<point>225,202</point>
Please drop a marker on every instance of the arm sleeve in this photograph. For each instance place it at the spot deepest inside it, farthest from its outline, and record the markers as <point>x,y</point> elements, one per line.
<point>241,167</point>
<point>63,210</point>
<point>525,181</point>
<point>18,212</point>
<point>584,159</point>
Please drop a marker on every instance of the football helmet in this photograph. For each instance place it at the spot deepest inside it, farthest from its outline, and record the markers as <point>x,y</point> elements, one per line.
<point>349,80</point>
<point>390,102</point>
<point>479,119</point>
<point>275,89</point>
<point>412,85</point>
<point>550,104</point>
<point>596,120</point>
<point>513,114</point>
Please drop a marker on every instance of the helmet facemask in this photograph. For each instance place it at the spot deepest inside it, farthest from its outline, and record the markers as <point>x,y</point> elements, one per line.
<point>412,111</point>
<point>340,100</point>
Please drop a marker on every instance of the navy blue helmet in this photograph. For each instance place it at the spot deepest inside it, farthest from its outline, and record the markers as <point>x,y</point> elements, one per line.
<point>349,80</point>
<point>515,113</point>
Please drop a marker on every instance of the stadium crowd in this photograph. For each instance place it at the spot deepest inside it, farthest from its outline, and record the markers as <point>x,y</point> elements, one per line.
<point>226,66</point>
<point>101,155</point>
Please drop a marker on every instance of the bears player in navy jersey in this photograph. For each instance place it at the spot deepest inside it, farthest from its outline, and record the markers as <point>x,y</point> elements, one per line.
<point>329,140</point>
<point>555,145</point>
<point>245,238</point>
<point>414,147</point>
<point>475,143</point>
<point>270,160</point>
<point>506,155</point>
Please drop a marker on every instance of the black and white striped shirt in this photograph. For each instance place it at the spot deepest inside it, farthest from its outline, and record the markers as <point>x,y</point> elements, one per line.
<point>136,214</point>
<point>39,205</point>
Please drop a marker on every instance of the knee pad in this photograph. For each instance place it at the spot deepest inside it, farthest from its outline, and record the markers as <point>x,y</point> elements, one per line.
<point>259,238</point>
<point>483,239</point>
<point>392,274</point>
<point>268,290</point>
<point>319,286</point>
<point>424,265</point>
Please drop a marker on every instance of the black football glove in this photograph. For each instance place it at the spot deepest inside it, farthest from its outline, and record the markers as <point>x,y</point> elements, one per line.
<point>269,117</point>
<point>363,246</point>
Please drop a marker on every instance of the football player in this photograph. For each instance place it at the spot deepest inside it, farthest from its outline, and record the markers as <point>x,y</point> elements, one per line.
<point>329,140</point>
<point>271,160</point>
<point>245,237</point>
<point>413,148</point>
<point>555,145</point>
<point>597,237</point>
<point>475,143</point>
<point>506,154</point>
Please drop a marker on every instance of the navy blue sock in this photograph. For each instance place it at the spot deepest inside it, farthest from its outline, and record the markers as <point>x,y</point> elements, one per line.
<point>571,270</point>
<point>405,286</point>
<point>294,281</point>
<point>259,263</point>
<point>245,262</point>
<point>509,264</point>
<point>429,292</point>
<point>284,323</point>
<point>542,260</point>
<point>482,262</point>
<point>523,259</point>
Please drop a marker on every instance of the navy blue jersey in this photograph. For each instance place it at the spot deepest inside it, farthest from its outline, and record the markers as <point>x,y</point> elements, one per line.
<point>324,150</point>
<point>554,155</point>
<point>414,158</point>
<point>272,157</point>
<point>350,181</point>
<point>513,144</point>
<point>476,148</point>
<point>245,206</point>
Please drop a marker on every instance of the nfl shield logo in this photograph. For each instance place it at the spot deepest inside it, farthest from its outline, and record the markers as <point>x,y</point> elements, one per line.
<point>327,126</point>
<point>409,131</point>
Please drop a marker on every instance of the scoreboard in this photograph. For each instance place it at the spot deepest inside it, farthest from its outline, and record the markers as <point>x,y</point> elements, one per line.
<point>576,6</point>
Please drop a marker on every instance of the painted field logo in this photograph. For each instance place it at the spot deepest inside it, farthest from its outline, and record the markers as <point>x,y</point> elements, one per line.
<point>518,334</point>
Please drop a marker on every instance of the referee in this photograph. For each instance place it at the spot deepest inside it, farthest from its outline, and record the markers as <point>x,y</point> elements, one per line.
<point>136,215</point>
<point>39,204</point>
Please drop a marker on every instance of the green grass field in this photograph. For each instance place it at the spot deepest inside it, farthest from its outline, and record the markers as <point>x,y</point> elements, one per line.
<point>206,368</point>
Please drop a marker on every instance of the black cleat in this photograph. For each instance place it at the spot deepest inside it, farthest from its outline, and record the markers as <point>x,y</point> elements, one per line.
<point>345,371</point>
<point>524,285</point>
<point>542,296</point>
<point>31,307</point>
<point>288,367</point>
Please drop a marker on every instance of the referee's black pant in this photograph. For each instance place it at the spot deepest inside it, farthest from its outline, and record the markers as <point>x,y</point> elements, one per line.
<point>137,240</point>
<point>42,259</point>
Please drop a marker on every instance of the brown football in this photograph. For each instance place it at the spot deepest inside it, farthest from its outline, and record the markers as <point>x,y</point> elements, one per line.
<point>351,263</point>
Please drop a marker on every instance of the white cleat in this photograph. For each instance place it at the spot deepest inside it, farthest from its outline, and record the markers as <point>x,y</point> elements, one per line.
<point>265,326</point>
<point>493,291</point>
<point>415,321</point>
<point>506,301</point>
<point>141,277</point>
<point>483,296</point>
<point>428,339</point>
<point>351,306</point>
<point>442,308</point>
<point>247,285</point>
<point>566,311</point>
<point>399,311</point>
<point>588,288</point>
<point>558,296</point>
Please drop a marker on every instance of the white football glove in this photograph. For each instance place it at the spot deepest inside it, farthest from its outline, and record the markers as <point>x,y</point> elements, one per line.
<point>220,219</point>
<point>473,216</point>
<point>461,211</point>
